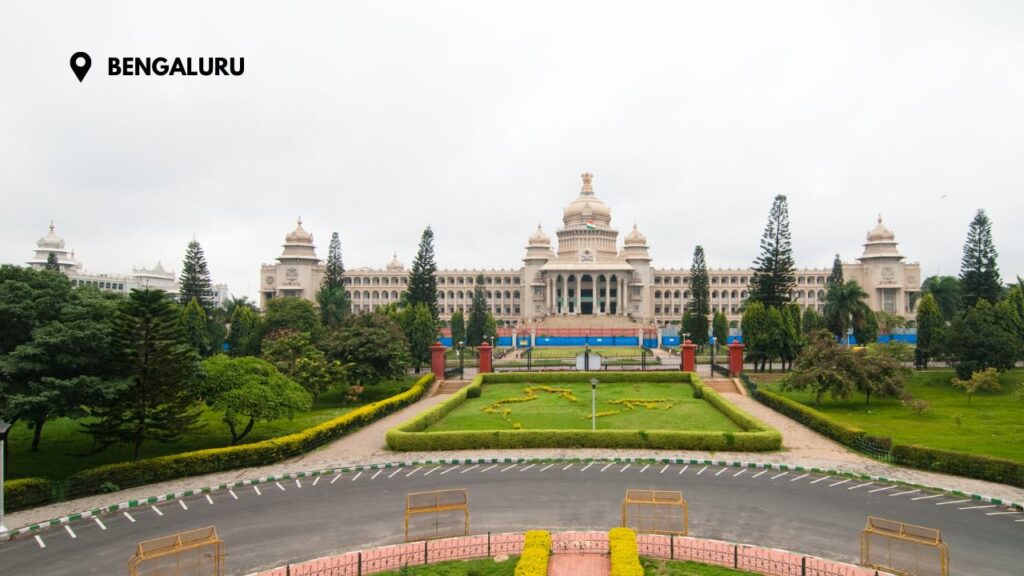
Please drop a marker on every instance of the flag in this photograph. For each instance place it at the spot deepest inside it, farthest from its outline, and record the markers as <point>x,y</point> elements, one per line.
<point>591,226</point>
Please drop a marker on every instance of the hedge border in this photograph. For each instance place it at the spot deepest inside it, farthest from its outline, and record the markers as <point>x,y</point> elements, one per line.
<point>755,436</point>
<point>1019,506</point>
<point>533,560</point>
<point>623,552</point>
<point>131,474</point>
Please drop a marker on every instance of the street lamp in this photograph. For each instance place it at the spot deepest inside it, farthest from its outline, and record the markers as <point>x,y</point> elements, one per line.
<point>4,427</point>
<point>462,359</point>
<point>593,404</point>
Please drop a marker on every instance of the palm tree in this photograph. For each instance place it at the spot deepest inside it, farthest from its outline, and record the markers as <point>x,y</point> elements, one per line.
<point>844,305</point>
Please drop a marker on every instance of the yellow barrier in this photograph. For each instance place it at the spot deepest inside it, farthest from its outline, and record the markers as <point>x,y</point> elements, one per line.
<point>903,548</point>
<point>197,552</point>
<point>656,512</point>
<point>436,514</point>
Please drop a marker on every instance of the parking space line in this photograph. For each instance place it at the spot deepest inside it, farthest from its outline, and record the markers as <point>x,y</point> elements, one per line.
<point>860,485</point>
<point>761,472</point>
<point>431,471</point>
<point>356,477</point>
<point>927,497</point>
<point>298,484</point>
<point>799,477</point>
<point>645,468</point>
<point>40,541</point>
<point>1021,520</point>
<point>720,471</point>
<point>742,470</point>
<point>488,468</point>
<point>315,480</point>
<point>507,468</point>
<point>684,468</point>
<point>183,505</point>
<point>129,517</point>
<point>624,468</point>
<point>663,469</point>
<point>470,468</point>
<point>820,480</point>
<point>567,467</point>
<point>335,479</point>
<point>528,467</point>
<point>257,489</point>
<point>606,466</point>
<point>587,466</point>
<point>414,470</point>
<point>883,489</point>
<point>233,495</point>
<point>977,507</point>
<point>841,482</point>
<point>157,510</point>
<point>99,523</point>
<point>377,473</point>
<point>392,475</point>
<point>1002,513</point>
<point>904,493</point>
<point>70,531</point>
<point>449,470</point>
<point>208,499</point>
<point>702,470</point>
<point>777,476</point>
<point>546,467</point>
<point>283,489</point>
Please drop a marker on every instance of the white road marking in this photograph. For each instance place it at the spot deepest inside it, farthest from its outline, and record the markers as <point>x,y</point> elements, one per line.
<point>208,499</point>
<point>720,471</point>
<point>449,470</point>
<point>606,466</point>
<point>356,477</point>
<point>663,469</point>
<point>883,489</point>
<point>1021,520</point>
<point>129,517</point>
<point>528,467</point>
<point>904,493</point>
<point>183,505</point>
<point>335,479</point>
<point>1001,513</point>
<point>587,466</point>
<point>702,470</point>
<point>977,507</point>
<point>40,541</point>
<point>257,489</point>
<point>799,477</point>
<point>431,471</point>
<point>777,476</point>
<point>644,468</point>
<point>297,483</point>
<point>100,523</point>
<point>392,475</point>
<point>414,470</point>
<point>841,482</point>
<point>742,470</point>
<point>860,485</point>
<point>157,510</point>
<point>624,468</point>
<point>488,468</point>
<point>684,468</point>
<point>761,472</point>
<point>470,468</point>
<point>546,467</point>
<point>317,479</point>
<point>70,531</point>
<point>233,495</point>
<point>927,497</point>
<point>283,489</point>
<point>567,467</point>
<point>820,480</point>
<point>507,468</point>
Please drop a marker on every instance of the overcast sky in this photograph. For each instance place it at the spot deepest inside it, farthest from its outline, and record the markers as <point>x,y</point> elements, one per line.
<point>374,119</point>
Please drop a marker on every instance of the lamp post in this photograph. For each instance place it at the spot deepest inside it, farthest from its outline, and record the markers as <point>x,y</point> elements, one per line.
<point>4,427</point>
<point>461,361</point>
<point>593,404</point>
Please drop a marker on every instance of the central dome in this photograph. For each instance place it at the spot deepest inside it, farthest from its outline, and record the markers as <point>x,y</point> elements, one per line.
<point>587,208</point>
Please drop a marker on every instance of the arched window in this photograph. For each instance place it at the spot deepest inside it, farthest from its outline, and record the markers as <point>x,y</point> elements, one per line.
<point>677,294</point>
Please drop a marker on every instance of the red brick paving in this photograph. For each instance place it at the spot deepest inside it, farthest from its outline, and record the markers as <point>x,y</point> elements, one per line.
<point>578,565</point>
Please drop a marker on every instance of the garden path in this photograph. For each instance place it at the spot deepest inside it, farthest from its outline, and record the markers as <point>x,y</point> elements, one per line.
<point>578,565</point>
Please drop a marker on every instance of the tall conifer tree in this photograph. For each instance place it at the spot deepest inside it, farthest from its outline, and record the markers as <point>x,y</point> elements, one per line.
<point>774,270</point>
<point>332,299</point>
<point>476,326</point>
<point>979,274</point>
<point>52,263</point>
<point>699,306</point>
<point>334,269</point>
<point>195,278</point>
<point>837,272</point>
<point>422,279</point>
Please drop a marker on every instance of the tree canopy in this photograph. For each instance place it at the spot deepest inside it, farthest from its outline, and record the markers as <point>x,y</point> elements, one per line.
<point>422,279</point>
<point>194,281</point>
<point>373,346</point>
<point>476,325</point>
<point>979,274</point>
<point>774,276</point>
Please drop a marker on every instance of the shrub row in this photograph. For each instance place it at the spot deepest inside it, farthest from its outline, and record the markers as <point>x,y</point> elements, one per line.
<point>122,475</point>
<point>625,559</point>
<point>412,436</point>
<point>969,465</point>
<point>815,420</point>
<point>536,550</point>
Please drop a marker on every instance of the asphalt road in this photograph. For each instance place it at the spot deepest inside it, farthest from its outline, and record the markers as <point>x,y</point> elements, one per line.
<point>276,523</point>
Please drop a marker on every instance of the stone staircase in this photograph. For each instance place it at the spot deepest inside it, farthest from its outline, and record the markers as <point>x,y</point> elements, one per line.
<point>723,386</point>
<point>451,386</point>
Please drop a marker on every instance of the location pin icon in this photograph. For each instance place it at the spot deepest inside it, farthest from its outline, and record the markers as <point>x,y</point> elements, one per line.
<point>80,63</point>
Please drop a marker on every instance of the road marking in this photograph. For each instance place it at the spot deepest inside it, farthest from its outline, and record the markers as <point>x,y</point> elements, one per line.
<point>297,483</point>
<point>283,489</point>
<point>624,468</point>
<point>927,497</point>
<point>317,479</point>
<point>1021,520</point>
<point>860,485</point>
<point>336,478</point>
<point>606,466</point>
<point>356,477</point>
<point>779,475</point>
<point>507,468</point>
<point>720,471</point>
<point>587,466</point>
<point>233,495</point>
<point>488,468</point>
<point>392,475</point>
<point>431,471</point>
<point>183,505</point>
<point>907,492</point>
<point>257,489</point>
<point>839,483</point>
<point>567,467</point>
<point>663,469</point>
<point>684,468</point>
<point>449,470</point>
<point>799,477</point>
<point>881,489</point>
<point>546,467</point>
<point>761,472</point>
<point>157,510</point>
<point>208,499</point>
<point>644,468</point>
<point>742,470</point>
<point>702,470</point>
<point>528,467</point>
<point>70,531</point>
<point>977,507</point>
<point>374,477</point>
<point>1001,513</point>
<point>100,523</point>
<point>129,517</point>
<point>470,468</point>
<point>820,480</point>
<point>40,541</point>
<point>414,470</point>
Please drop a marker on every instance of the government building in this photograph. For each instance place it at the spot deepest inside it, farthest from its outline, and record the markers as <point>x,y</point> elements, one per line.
<point>587,275</point>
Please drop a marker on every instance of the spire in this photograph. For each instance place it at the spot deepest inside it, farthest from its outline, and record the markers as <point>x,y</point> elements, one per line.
<point>588,178</point>
<point>51,226</point>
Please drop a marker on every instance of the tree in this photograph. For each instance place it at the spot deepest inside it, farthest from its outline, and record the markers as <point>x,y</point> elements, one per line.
<point>422,279</point>
<point>982,341</point>
<point>754,326</point>
<point>294,355</point>
<point>774,270</point>
<point>155,399</point>
<point>865,327</point>
<point>880,372</point>
<point>948,294</point>
<point>28,299</point>
<point>811,321</point>
<point>836,277</point>
<point>888,323</point>
<point>52,263</point>
<point>475,326</point>
<point>292,313</point>
<point>332,298</point>
<point>193,318</point>
<point>930,328</point>
<point>699,305</point>
<point>373,346</point>
<point>844,305</point>
<point>987,379</point>
<point>491,328</point>
<point>979,274</point>
<point>334,269</point>
<point>720,328</point>
<point>250,390</point>
<point>696,325</point>
<point>458,324</point>
<point>195,277</point>
<point>421,332</point>
<point>823,367</point>
<point>53,374</point>
<point>246,330</point>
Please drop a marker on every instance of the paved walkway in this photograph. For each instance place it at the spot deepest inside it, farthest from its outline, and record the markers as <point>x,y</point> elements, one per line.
<point>802,447</point>
<point>578,565</point>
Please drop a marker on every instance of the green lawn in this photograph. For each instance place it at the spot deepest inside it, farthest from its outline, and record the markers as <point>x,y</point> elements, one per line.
<point>482,567</point>
<point>550,411</point>
<point>991,425</point>
<point>64,448</point>
<point>676,568</point>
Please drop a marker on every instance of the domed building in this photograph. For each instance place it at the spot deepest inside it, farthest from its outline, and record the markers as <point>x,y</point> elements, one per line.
<point>587,274</point>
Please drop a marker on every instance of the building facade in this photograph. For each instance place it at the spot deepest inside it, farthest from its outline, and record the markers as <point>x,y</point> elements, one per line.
<point>156,278</point>
<point>587,274</point>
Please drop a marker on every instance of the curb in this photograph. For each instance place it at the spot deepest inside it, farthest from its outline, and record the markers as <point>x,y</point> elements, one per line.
<point>127,505</point>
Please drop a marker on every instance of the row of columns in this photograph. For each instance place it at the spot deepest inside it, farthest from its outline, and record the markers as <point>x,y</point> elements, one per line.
<point>552,296</point>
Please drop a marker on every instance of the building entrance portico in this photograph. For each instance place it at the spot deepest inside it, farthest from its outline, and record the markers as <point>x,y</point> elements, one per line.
<point>583,293</point>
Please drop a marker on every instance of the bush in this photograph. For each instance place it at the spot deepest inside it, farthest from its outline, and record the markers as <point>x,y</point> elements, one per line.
<point>969,465</point>
<point>536,550</point>
<point>473,391</point>
<point>848,435</point>
<point>26,493</point>
<point>622,548</point>
<point>697,393</point>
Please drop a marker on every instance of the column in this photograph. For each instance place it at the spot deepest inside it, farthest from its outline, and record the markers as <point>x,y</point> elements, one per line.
<point>565,294</point>
<point>688,364</point>
<point>578,293</point>
<point>437,361</point>
<point>547,295</point>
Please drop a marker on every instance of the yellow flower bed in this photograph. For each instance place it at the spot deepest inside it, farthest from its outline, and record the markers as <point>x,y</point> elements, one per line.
<point>536,550</point>
<point>624,557</point>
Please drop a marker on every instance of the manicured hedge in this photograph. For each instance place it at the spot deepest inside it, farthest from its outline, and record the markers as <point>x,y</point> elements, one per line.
<point>536,550</point>
<point>815,420</point>
<point>969,465</point>
<point>26,493</point>
<point>625,559</point>
<point>412,435</point>
<point>129,474</point>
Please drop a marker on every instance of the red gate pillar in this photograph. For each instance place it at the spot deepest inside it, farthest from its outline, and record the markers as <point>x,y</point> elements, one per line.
<point>484,354</point>
<point>437,361</point>
<point>735,359</point>
<point>689,359</point>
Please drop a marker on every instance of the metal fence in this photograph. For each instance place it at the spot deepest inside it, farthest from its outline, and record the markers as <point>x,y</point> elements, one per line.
<point>197,552</point>
<point>656,511</point>
<point>903,548</point>
<point>539,359</point>
<point>436,514</point>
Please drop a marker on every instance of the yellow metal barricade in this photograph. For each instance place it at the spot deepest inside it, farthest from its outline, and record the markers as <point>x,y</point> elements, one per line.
<point>656,512</point>
<point>903,548</point>
<point>197,552</point>
<point>436,514</point>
